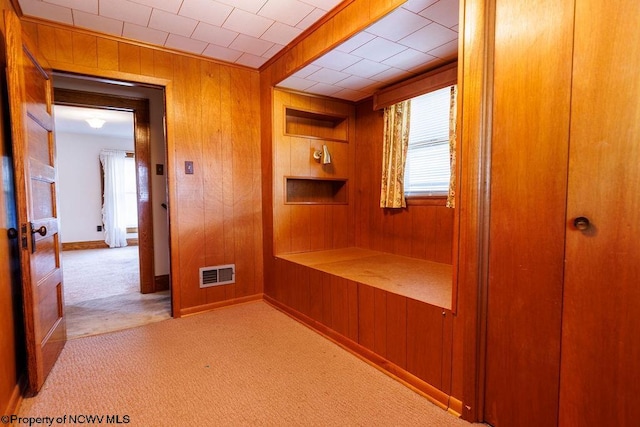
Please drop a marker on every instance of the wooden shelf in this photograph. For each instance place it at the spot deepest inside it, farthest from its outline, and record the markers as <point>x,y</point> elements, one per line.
<point>320,191</point>
<point>310,124</point>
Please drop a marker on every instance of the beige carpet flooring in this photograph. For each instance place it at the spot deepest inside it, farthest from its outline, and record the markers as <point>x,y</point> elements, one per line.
<point>102,292</point>
<point>245,365</point>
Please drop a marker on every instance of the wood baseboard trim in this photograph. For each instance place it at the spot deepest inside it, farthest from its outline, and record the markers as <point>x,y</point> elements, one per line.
<point>15,400</point>
<point>162,283</point>
<point>431,393</point>
<point>208,307</point>
<point>92,244</point>
<point>455,407</point>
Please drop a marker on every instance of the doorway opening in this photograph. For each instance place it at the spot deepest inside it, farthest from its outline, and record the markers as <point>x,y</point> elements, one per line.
<point>112,284</point>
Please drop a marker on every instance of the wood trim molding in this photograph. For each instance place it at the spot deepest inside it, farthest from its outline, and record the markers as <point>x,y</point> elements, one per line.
<point>15,400</point>
<point>208,307</point>
<point>455,406</point>
<point>92,244</point>
<point>435,79</point>
<point>162,283</point>
<point>431,393</point>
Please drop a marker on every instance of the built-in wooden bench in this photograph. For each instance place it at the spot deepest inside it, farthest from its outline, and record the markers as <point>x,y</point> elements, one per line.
<point>422,280</point>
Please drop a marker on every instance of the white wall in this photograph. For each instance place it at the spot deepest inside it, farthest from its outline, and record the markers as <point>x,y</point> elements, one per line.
<point>79,184</point>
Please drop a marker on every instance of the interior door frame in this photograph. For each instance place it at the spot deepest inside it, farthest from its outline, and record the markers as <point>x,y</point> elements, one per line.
<point>140,109</point>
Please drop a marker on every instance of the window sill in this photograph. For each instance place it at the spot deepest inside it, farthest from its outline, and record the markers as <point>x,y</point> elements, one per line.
<point>426,200</point>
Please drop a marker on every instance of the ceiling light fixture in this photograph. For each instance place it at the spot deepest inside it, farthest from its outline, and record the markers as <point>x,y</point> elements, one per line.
<point>95,123</point>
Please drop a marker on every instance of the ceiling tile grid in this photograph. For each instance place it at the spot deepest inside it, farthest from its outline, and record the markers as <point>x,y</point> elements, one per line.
<point>419,35</point>
<point>245,32</point>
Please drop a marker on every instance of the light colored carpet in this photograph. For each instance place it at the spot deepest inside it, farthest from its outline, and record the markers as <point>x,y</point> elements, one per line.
<point>102,292</point>
<point>245,365</point>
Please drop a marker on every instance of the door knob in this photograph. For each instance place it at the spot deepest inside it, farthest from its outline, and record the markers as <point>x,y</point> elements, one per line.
<point>12,233</point>
<point>581,223</point>
<point>41,231</point>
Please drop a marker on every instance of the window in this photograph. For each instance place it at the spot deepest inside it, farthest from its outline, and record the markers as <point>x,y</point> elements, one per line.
<point>428,168</point>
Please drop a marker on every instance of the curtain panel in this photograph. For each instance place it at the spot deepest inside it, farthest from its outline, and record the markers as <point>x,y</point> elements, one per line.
<point>395,145</point>
<point>114,207</point>
<point>453,142</point>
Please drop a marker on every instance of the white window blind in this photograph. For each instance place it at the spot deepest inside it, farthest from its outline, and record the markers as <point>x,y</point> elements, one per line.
<point>428,169</point>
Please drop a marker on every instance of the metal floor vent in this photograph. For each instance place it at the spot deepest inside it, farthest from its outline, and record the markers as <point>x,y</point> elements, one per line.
<point>218,275</point>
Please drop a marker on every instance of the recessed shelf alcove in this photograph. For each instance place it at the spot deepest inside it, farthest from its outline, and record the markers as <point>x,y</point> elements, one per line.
<point>321,191</point>
<point>310,124</point>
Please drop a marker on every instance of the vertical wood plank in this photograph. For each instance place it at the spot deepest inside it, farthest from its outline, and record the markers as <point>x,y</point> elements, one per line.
<point>315,294</point>
<point>424,341</point>
<point>64,45</point>
<point>85,50</point>
<point>129,58</point>
<point>380,325</point>
<point>339,305</point>
<point>108,58</point>
<point>366,316</point>
<point>352,295</point>
<point>397,329</point>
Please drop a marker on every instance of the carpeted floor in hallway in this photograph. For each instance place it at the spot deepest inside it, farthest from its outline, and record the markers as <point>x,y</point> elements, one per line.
<point>102,292</point>
<point>245,365</point>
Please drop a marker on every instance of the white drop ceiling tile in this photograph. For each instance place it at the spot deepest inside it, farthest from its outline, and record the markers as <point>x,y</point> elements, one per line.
<point>336,60</point>
<point>97,23</point>
<point>351,95</point>
<point>212,34</point>
<point>250,45</point>
<point>252,61</point>
<point>281,33</point>
<point>221,53</point>
<point>208,11</point>
<point>145,34</point>
<point>409,59</point>
<point>48,11</point>
<point>324,89</point>
<point>325,75</point>
<point>398,24</point>
<point>290,12</point>
<point>246,23</point>
<point>379,49</point>
<point>429,37</point>
<point>252,6</point>
<point>356,83</point>
<point>89,6</point>
<point>310,19</point>
<point>355,42</point>
<point>417,6</point>
<point>126,11</point>
<point>366,68</point>
<point>446,51</point>
<point>325,5</point>
<point>444,12</point>
<point>390,75</point>
<point>185,44</point>
<point>168,5</point>
<point>306,71</point>
<point>274,49</point>
<point>165,21</point>
<point>296,83</point>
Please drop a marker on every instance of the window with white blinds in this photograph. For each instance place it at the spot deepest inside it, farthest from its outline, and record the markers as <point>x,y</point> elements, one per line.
<point>428,169</point>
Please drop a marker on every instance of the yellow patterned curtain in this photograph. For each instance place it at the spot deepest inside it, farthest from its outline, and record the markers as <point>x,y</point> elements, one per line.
<point>453,121</point>
<point>395,145</point>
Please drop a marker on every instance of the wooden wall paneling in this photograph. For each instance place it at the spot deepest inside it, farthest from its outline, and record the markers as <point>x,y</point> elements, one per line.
<point>267,141</point>
<point>244,159</point>
<point>129,58</point>
<point>281,168</point>
<point>424,341</point>
<point>363,175</point>
<point>352,292</point>
<point>190,190</point>
<point>256,188</point>
<point>380,322</point>
<point>457,355</point>
<point>147,62</point>
<point>63,45</point>
<point>327,301</point>
<point>107,52</point>
<point>162,65</point>
<point>85,49</point>
<point>317,227</point>
<point>447,350</point>
<point>341,229</point>
<point>315,295</point>
<point>300,228</point>
<point>397,329</point>
<point>339,305</point>
<point>444,234</point>
<point>525,266</point>
<point>402,233</point>
<point>302,289</point>
<point>212,172</point>
<point>366,316</point>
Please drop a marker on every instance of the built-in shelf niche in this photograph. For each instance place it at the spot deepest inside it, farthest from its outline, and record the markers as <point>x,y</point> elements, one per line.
<point>310,124</point>
<point>318,191</point>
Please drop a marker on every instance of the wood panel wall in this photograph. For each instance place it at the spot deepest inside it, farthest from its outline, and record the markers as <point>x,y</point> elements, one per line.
<point>11,330</point>
<point>303,227</point>
<point>419,231</point>
<point>213,120</point>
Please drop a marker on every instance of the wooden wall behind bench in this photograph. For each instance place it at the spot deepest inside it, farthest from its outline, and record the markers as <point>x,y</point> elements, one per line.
<point>419,231</point>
